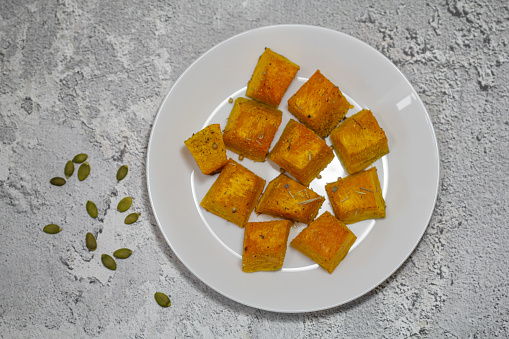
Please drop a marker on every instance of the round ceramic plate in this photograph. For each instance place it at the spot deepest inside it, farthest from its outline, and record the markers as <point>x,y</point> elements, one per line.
<point>211,248</point>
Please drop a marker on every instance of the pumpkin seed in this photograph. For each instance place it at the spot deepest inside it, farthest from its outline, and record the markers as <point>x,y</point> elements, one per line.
<point>122,172</point>
<point>80,158</point>
<point>124,204</point>
<point>162,299</point>
<point>122,253</point>
<point>90,241</point>
<point>52,229</point>
<point>109,262</point>
<point>92,209</point>
<point>83,171</point>
<point>131,218</point>
<point>57,181</point>
<point>69,169</point>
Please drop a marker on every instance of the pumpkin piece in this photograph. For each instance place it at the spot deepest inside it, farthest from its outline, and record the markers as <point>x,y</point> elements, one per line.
<point>357,197</point>
<point>234,194</point>
<point>265,245</point>
<point>286,198</point>
<point>359,141</point>
<point>319,104</point>
<point>271,77</point>
<point>208,149</point>
<point>301,152</point>
<point>326,241</point>
<point>250,128</point>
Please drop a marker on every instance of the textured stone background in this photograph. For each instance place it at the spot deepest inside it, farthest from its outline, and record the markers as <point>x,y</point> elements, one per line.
<point>89,76</point>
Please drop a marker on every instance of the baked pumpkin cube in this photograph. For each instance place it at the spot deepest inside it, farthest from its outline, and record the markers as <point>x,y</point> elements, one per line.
<point>286,198</point>
<point>357,197</point>
<point>301,152</point>
<point>265,245</point>
<point>208,149</point>
<point>271,77</point>
<point>250,128</point>
<point>326,241</point>
<point>359,141</point>
<point>319,104</point>
<point>234,194</point>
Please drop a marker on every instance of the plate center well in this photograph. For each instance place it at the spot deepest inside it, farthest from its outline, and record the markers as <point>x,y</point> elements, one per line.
<point>229,235</point>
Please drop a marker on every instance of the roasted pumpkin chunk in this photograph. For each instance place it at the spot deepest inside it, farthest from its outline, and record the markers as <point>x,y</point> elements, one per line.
<point>265,245</point>
<point>271,77</point>
<point>286,198</point>
<point>301,152</point>
<point>326,241</point>
<point>319,104</point>
<point>359,141</point>
<point>208,149</point>
<point>250,128</point>
<point>357,197</point>
<point>234,194</point>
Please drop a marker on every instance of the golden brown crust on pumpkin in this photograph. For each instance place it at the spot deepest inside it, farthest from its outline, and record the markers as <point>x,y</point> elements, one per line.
<point>288,199</point>
<point>271,77</point>
<point>265,245</point>
<point>208,149</point>
<point>359,141</point>
<point>319,104</point>
<point>357,197</point>
<point>326,241</point>
<point>234,194</point>
<point>301,152</point>
<point>250,128</point>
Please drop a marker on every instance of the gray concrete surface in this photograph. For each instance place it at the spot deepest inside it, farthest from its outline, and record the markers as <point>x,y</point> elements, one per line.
<point>89,76</point>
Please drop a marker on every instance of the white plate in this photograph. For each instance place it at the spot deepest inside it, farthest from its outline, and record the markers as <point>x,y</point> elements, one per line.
<point>211,248</point>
